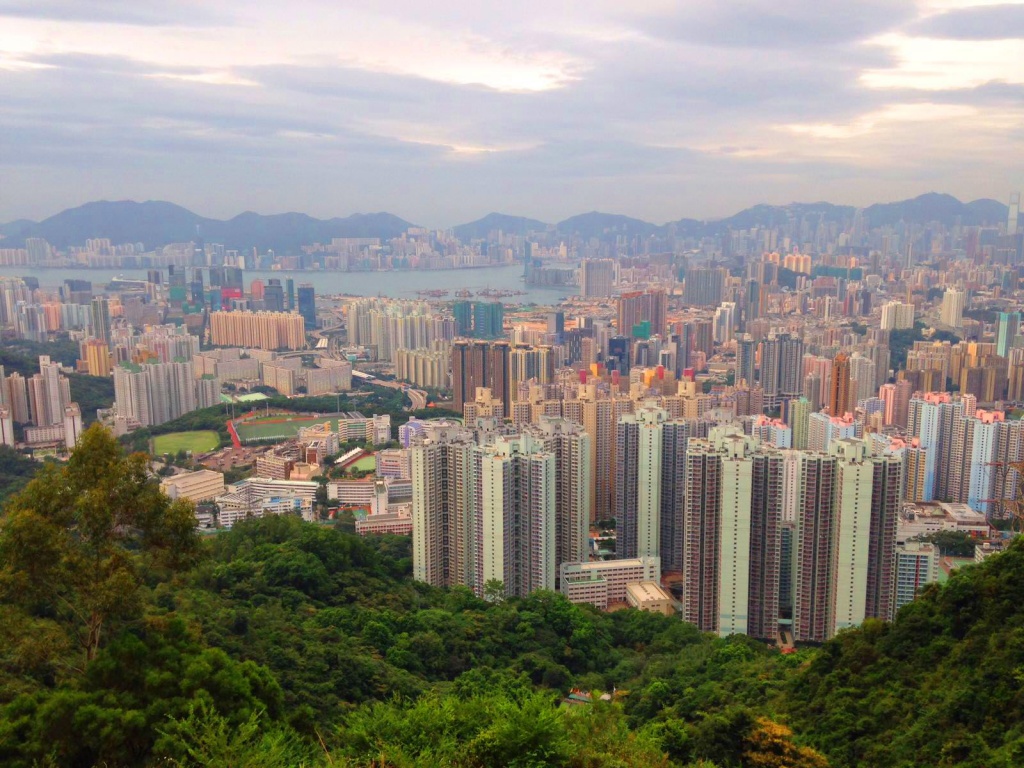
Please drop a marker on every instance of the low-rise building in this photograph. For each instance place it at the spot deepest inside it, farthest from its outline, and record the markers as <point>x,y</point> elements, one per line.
<point>925,518</point>
<point>649,596</point>
<point>194,486</point>
<point>580,581</point>
<point>391,523</point>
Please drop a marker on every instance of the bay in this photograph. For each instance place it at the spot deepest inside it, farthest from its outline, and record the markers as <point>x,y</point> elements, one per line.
<point>397,284</point>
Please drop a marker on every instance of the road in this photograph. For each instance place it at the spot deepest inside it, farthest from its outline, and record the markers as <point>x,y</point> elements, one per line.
<point>417,397</point>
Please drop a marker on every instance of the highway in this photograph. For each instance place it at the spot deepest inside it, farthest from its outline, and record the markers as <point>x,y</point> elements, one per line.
<point>417,397</point>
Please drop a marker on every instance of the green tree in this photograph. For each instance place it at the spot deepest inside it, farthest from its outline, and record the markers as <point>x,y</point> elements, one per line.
<point>321,499</point>
<point>75,543</point>
<point>494,591</point>
<point>952,543</point>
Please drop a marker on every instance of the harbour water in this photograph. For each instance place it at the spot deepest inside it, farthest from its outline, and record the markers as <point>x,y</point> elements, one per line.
<point>398,285</point>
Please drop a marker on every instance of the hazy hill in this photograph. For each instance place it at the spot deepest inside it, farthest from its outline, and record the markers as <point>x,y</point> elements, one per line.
<point>596,224</point>
<point>155,223</point>
<point>935,207</point>
<point>513,225</point>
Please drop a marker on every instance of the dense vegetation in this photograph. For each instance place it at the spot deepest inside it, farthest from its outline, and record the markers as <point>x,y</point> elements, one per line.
<point>91,393</point>
<point>16,469</point>
<point>126,641</point>
<point>22,355</point>
<point>902,341</point>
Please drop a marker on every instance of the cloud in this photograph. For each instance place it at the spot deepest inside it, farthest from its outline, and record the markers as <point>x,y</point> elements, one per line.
<point>767,24</point>
<point>131,12</point>
<point>985,22</point>
<point>446,110</point>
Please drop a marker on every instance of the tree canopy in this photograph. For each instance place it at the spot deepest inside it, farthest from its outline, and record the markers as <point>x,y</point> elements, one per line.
<point>125,640</point>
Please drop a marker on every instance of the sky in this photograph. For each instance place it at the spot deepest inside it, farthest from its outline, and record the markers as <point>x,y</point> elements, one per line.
<point>443,111</point>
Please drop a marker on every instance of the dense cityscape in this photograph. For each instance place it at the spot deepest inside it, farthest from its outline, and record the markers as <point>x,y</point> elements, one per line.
<point>761,432</point>
<point>511,385</point>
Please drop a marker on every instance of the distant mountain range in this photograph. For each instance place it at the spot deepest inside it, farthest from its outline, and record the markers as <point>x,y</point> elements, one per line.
<point>156,223</point>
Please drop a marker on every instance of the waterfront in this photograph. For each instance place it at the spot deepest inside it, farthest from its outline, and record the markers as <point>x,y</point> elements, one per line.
<point>399,284</point>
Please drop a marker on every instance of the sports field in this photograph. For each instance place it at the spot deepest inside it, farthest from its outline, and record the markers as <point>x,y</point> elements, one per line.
<point>278,427</point>
<point>196,442</point>
<point>364,464</point>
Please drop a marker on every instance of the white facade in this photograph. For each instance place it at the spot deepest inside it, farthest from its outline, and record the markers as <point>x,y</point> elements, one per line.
<point>953,303</point>
<point>850,568</point>
<point>917,564</point>
<point>72,425</point>
<point>734,549</point>
<point>6,427</point>
<point>897,316</point>
<point>982,474</point>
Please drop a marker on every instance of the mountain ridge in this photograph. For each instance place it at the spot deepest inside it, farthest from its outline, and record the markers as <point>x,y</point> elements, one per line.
<point>155,223</point>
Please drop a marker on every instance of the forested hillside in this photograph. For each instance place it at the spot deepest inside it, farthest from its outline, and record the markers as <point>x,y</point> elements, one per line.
<point>126,640</point>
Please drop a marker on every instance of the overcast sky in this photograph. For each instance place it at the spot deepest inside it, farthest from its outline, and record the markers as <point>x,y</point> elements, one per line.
<point>442,110</point>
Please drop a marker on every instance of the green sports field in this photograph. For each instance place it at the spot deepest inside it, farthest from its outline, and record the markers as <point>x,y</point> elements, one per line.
<point>281,427</point>
<point>365,463</point>
<point>196,442</point>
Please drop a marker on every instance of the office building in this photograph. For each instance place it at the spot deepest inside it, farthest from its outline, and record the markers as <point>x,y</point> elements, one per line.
<point>273,296</point>
<point>101,318</point>
<point>307,305</point>
<point>746,354</point>
<point>488,320</point>
<point>556,326</point>
<point>1008,329</point>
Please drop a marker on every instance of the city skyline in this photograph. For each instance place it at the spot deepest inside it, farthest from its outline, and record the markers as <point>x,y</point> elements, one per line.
<point>448,112</point>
